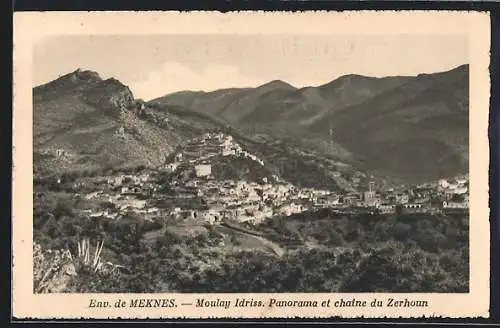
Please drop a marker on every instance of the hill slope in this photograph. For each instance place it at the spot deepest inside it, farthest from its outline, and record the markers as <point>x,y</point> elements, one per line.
<point>413,128</point>
<point>83,122</point>
<point>418,130</point>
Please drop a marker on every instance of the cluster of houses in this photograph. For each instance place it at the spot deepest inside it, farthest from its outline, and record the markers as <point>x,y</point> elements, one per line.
<point>440,196</point>
<point>249,201</point>
<point>140,184</point>
<point>58,153</point>
<point>199,151</point>
<point>255,201</point>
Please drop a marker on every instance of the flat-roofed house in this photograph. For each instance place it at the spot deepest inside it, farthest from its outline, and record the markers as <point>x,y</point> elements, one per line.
<point>203,170</point>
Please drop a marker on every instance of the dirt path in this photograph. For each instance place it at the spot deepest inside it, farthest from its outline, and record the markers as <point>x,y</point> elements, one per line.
<point>275,247</point>
<point>266,242</point>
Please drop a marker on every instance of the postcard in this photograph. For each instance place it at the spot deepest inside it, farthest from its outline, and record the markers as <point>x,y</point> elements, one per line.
<point>250,164</point>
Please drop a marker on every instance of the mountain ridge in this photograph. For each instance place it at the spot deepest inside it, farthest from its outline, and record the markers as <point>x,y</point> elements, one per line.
<point>82,122</point>
<point>378,123</point>
<point>352,112</point>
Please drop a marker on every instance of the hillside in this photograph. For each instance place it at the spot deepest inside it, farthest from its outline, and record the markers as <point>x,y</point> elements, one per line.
<point>407,129</point>
<point>82,122</point>
<point>85,123</point>
<point>418,130</point>
<point>279,100</point>
<point>235,157</point>
<point>413,128</point>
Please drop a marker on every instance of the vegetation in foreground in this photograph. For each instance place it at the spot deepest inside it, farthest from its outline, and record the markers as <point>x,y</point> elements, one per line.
<point>363,253</point>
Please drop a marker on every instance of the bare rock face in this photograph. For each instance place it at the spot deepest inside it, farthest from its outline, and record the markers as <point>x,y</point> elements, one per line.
<point>122,98</point>
<point>109,93</point>
<point>86,76</point>
<point>71,83</point>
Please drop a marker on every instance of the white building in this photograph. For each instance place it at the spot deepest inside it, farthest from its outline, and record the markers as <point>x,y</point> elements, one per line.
<point>386,208</point>
<point>455,205</point>
<point>290,209</point>
<point>443,183</point>
<point>228,152</point>
<point>402,198</point>
<point>413,206</point>
<point>203,170</point>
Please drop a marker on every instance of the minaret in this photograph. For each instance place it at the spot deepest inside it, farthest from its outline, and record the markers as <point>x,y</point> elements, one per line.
<point>330,131</point>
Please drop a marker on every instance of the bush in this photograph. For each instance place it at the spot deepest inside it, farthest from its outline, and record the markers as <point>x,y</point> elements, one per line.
<point>357,253</point>
<point>52,270</point>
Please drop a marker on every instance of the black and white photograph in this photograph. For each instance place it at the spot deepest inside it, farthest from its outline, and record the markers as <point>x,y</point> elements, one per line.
<point>250,165</point>
<point>223,163</point>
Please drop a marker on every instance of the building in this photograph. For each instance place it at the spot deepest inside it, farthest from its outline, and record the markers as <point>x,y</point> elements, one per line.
<point>171,167</point>
<point>422,192</point>
<point>350,199</point>
<point>443,183</point>
<point>386,208</point>
<point>289,209</point>
<point>449,194</point>
<point>228,152</point>
<point>455,205</point>
<point>332,199</point>
<point>60,152</point>
<point>203,170</point>
<point>370,197</point>
<point>401,198</point>
<point>414,207</point>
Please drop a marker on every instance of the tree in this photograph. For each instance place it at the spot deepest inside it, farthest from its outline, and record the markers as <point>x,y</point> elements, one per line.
<point>336,239</point>
<point>401,231</point>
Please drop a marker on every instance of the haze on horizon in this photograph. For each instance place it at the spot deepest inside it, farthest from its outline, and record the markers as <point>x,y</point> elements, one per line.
<point>153,66</point>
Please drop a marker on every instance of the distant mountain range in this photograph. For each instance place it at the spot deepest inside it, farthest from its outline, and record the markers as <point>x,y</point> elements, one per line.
<point>411,129</point>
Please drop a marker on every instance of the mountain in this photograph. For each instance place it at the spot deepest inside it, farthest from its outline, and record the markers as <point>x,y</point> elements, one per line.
<point>82,122</point>
<point>408,129</point>
<point>418,130</point>
<point>412,128</point>
<point>278,100</point>
<point>235,157</point>
<point>231,105</point>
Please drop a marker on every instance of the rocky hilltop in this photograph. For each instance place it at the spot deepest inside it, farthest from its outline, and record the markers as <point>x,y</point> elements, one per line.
<point>109,93</point>
<point>82,122</point>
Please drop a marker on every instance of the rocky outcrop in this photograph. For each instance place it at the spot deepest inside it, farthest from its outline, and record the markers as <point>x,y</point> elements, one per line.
<point>52,270</point>
<point>71,83</point>
<point>85,76</point>
<point>109,93</point>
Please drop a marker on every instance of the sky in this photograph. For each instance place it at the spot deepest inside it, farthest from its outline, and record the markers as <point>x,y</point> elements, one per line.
<point>155,65</point>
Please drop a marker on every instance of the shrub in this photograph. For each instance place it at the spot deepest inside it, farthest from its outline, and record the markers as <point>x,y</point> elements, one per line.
<point>52,270</point>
